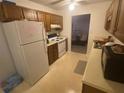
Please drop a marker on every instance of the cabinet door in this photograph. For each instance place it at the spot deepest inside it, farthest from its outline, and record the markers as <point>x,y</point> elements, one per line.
<point>108,17</point>
<point>41,16</point>
<point>50,54</point>
<point>12,12</point>
<point>1,12</point>
<point>54,19</point>
<point>47,21</point>
<point>61,21</point>
<point>55,51</point>
<point>115,12</point>
<point>30,14</point>
<point>120,29</point>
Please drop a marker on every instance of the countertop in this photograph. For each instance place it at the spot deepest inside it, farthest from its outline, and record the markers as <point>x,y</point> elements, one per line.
<point>93,75</point>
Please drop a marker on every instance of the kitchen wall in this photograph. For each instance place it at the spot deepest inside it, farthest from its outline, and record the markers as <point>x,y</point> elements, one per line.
<point>97,11</point>
<point>6,62</point>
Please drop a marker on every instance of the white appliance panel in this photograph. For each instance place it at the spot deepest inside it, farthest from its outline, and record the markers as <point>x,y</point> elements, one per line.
<point>62,48</point>
<point>11,35</point>
<point>29,31</point>
<point>30,59</point>
<point>36,59</point>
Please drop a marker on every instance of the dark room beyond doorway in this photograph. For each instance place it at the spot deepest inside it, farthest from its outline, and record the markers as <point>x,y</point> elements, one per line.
<point>80,32</point>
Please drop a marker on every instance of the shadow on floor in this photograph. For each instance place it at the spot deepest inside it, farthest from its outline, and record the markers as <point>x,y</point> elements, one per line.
<point>80,67</point>
<point>79,49</point>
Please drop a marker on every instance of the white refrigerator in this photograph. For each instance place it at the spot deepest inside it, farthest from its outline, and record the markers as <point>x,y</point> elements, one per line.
<point>26,40</point>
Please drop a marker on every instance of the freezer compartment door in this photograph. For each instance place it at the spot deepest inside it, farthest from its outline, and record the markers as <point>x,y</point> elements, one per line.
<point>29,31</point>
<point>36,61</point>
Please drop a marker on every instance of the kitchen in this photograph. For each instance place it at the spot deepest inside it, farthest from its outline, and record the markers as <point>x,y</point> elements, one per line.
<point>97,11</point>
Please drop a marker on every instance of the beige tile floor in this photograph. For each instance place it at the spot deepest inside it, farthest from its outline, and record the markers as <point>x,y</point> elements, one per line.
<point>61,77</point>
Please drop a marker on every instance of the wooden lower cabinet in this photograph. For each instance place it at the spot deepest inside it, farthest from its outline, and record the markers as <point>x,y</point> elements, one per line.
<point>52,53</point>
<point>89,89</point>
<point>41,16</point>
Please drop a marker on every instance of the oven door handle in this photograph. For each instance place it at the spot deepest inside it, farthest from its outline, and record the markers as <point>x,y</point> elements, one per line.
<point>102,64</point>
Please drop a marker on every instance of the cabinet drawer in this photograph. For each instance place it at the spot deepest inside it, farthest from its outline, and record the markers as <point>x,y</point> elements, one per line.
<point>52,53</point>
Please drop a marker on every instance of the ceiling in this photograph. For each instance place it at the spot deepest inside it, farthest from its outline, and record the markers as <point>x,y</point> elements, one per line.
<point>57,4</point>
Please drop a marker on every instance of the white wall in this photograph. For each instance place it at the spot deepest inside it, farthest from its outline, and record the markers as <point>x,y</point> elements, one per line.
<point>97,11</point>
<point>6,63</point>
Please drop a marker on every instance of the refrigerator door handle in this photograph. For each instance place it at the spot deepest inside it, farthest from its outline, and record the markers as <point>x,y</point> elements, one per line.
<point>44,35</point>
<point>45,46</point>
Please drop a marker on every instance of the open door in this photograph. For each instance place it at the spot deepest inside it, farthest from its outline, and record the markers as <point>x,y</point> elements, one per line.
<point>80,33</point>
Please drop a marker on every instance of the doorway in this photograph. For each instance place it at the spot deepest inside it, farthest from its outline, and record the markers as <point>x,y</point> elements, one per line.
<point>80,33</point>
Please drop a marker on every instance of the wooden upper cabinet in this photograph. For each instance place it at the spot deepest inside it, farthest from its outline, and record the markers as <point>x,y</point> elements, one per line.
<point>11,12</point>
<point>1,12</point>
<point>29,14</point>
<point>108,17</point>
<point>111,16</point>
<point>54,19</point>
<point>119,33</point>
<point>61,21</point>
<point>41,16</point>
<point>47,21</point>
<point>115,14</point>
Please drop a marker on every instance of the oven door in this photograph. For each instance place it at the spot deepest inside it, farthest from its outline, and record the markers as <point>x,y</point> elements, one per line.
<point>62,48</point>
